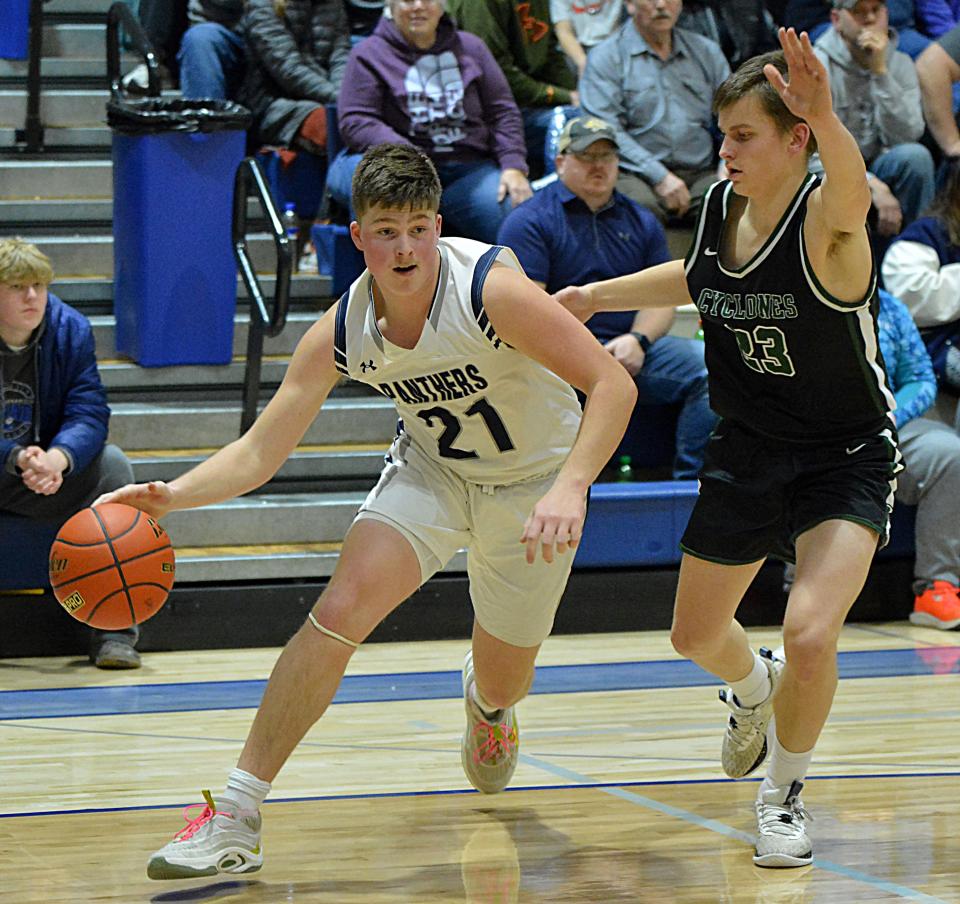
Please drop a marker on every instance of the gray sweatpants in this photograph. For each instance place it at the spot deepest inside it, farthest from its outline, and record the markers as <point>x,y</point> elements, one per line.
<point>931,481</point>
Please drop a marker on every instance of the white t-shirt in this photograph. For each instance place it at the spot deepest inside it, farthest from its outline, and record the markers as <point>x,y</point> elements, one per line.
<point>592,20</point>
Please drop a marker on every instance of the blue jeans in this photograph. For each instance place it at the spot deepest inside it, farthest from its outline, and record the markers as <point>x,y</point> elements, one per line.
<point>908,171</point>
<point>212,60</point>
<point>469,203</point>
<point>674,372</point>
<point>541,129</point>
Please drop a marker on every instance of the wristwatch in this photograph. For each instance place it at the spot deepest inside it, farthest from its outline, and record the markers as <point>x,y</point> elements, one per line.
<point>642,339</point>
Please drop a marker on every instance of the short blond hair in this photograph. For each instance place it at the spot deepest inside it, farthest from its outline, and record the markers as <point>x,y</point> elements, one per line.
<point>22,262</point>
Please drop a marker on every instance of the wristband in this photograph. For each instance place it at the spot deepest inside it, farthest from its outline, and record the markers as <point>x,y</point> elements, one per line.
<point>643,340</point>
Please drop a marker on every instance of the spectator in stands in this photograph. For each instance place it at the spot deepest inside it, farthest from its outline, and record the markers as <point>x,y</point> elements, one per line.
<point>53,431</point>
<point>212,53</point>
<point>579,230</point>
<point>938,70</point>
<point>297,52</point>
<point>164,23</point>
<point>582,24</point>
<point>813,16</point>
<point>742,28</point>
<point>362,16</point>
<point>877,97</point>
<point>654,82</point>
<point>937,17</point>
<point>523,42</point>
<point>931,481</point>
<point>418,80</point>
<point>922,268</point>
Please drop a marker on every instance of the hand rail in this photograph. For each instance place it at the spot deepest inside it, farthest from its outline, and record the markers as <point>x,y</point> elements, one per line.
<point>121,14</point>
<point>31,134</point>
<point>250,176</point>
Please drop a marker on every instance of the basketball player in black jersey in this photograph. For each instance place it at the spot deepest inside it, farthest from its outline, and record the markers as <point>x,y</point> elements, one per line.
<point>803,461</point>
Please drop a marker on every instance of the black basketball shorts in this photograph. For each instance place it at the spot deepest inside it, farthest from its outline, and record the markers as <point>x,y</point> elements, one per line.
<point>757,495</point>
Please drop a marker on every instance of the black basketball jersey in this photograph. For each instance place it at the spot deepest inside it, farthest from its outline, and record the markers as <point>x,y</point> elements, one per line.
<point>785,358</point>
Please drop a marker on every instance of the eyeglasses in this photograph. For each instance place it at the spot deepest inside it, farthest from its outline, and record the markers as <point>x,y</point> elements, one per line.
<point>590,159</point>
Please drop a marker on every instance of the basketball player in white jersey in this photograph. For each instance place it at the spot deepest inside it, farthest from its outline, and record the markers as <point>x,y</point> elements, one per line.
<point>491,454</point>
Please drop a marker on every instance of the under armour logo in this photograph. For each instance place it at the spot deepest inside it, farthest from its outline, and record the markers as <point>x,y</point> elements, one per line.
<point>367,365</point>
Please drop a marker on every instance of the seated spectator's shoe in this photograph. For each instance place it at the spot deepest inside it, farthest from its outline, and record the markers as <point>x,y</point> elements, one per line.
<point>745,740</point>
<point>116,653</point>
<point>137,81</point>
<point>937,607</point>
<point>221,839</point>
<point>782,839</point>
<point>491,745</point>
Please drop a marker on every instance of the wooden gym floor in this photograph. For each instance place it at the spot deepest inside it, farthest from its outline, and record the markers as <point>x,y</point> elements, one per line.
<point>619,796</point>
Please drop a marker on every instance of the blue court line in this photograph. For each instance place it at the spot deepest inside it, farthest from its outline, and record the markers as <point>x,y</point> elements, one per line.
<point>557,679</point>
<point>909,894</point>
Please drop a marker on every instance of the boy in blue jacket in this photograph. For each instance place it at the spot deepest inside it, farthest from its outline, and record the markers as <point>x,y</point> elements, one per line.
<point>53,429</point>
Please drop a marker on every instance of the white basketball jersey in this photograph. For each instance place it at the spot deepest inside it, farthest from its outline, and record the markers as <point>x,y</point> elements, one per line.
<point>468,400</point>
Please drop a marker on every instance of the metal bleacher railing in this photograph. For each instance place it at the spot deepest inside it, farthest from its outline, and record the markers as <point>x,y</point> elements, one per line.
<point>31,135</point>
<point>251,180</point>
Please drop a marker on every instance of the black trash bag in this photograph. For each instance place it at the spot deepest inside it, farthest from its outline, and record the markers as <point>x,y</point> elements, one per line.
<point>153,115</point>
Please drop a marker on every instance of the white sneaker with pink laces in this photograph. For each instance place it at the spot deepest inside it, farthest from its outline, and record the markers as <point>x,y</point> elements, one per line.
<point>491,744</point>
<point>222,839</point>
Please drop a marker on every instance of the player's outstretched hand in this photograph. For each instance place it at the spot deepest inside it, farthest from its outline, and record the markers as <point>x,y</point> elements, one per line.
<point>576,299</point>
<point>806,90</point>
<point>155,498</point>
<point>555,524</point>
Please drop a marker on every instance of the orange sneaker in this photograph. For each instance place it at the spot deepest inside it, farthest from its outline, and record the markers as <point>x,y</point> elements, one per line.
<point>938,606</point>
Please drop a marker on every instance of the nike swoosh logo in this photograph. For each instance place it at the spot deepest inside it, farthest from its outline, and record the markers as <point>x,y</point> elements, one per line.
<point>855,449</point>
<point>710,252</point>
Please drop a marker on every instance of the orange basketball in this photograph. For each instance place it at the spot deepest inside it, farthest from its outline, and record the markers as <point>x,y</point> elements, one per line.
<point>111,566</point>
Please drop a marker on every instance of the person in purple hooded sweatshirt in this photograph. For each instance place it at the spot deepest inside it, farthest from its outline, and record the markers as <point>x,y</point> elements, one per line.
<point>418,80</point>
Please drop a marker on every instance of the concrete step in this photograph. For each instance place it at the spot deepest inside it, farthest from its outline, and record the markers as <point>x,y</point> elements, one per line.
<point>298,322</point>
<point>90,69</point>
<point>76,40</point>
<point>77,8</point>
<point>88,138</point>
<point>46,179</point>
<point>173,425</point>
<point>92,255</point>
<point>223,564</point>
<point>97,290</point>
<point>60,107</point>
<point>306,464</point>
<point>55,214</point>
<point>274,518</point>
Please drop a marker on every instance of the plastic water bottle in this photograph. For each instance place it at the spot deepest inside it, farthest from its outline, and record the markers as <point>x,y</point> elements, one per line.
<point>291,226</point>
<point>624,469</point>
<point>699,333</point>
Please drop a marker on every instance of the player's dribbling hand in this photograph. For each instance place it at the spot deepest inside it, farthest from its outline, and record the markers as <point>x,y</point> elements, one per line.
<point>555,524</point>
<point>155,498</point>
<point>576,299</point>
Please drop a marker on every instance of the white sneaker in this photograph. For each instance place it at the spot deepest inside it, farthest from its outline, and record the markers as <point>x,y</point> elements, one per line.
<point>782,840</point>
<point>221,839</point>
<point>137,80</point>
<point>491,746</point>
<point>745,740</point>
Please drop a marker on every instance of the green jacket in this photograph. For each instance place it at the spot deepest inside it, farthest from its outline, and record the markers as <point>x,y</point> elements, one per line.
<point>522,41</point>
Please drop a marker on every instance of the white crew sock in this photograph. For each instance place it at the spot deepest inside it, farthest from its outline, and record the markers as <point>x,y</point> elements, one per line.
<point>489,711</point>
<point>245,791</point>
<point>755,687</point>
<point>785,767</point>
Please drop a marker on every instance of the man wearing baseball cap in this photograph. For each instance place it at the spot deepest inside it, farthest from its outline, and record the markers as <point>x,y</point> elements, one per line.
<point>580,229</point>
<point>877,97</point>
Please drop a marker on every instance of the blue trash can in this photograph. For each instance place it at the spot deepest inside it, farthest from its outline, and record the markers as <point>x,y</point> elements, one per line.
<point>175,278</point>
<point>15,16</point>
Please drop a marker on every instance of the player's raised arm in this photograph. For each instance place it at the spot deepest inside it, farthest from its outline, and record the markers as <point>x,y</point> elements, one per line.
<point>529,320</point>
<point>251,460</point>
<point>843,200</point>
<point>662,286</point>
